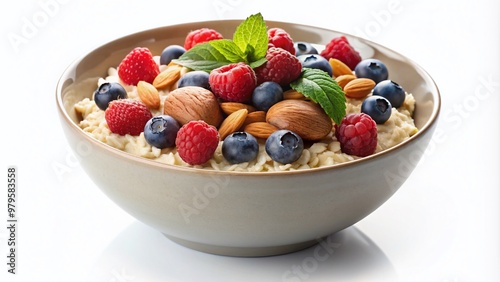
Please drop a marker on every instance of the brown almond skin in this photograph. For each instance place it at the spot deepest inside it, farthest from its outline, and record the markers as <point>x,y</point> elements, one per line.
<point>306,119</point>
<point>342,80</point>
<point>193,103</point>
<point>359,88</point>
<point>260,129</point>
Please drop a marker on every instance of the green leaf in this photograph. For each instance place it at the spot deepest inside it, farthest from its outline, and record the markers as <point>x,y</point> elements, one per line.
<point>229,50</point>
<point>258,63</point>
<point>249,45</point>
<point>324,90</point>
<point>203,57</point>
<point>251,37</point>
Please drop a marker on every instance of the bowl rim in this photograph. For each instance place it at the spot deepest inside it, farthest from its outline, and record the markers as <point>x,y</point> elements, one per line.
<point>188,169</point>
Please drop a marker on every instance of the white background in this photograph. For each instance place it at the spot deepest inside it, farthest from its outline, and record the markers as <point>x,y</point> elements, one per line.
<point>443,224</point>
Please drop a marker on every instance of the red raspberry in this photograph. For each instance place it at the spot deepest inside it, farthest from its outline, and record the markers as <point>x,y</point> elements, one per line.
<point>199,36</point>
<point>357,135</point>
<point>196,142</point>
<point>340,49</point>
<point>280,38</point>
<point>281,67</point>
<point>127,116</point>
<point>233,82</point>
<point>138,65</point>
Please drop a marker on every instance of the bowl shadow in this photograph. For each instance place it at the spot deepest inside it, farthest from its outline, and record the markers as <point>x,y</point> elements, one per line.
<point>140,253</point>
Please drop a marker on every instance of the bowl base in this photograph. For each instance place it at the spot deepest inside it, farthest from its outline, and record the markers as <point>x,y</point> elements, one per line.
<point>243,251</point>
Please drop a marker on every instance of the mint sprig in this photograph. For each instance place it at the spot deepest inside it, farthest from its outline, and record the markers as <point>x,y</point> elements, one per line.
<point>251,37</point>
<point>249,45</point>
<point>324,90</point>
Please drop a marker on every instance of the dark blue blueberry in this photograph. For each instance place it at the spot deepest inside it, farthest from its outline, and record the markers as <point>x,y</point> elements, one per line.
<point>315,61</point>
<point>377,107</point>
<point>108,92</point>
<point>266,94</point>
<point>373,69</point>
<point>240,147</point>
<point>284,146</point>
<point>194,78</point>
<point>302,48</point>
<point>161,131</point>
<point>171,52</point>
<point>391,91</point>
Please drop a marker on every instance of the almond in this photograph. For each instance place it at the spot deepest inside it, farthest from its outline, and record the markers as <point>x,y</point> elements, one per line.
<point>260,129</point>
<point>231,107</point>
<point>168,77</point>
<point>232,123</point>
<point>257,116</point>
<point>305,118</point>
<point>193,103</point>
<point>342,80</point>
<point>339,68</point>
<point>148,94</point>
<point>359,88</point>
<point>293,95</point>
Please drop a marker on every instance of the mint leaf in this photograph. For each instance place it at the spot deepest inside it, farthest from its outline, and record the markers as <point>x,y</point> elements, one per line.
<point>249,45</point>
<point>229,50</point>
<point>203,57</point>
<point>324,90</point>
<point>258,63</point>
<point>251,37</point>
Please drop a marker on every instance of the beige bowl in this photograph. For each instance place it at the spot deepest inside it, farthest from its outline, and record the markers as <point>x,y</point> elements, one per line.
<point>244,213</point>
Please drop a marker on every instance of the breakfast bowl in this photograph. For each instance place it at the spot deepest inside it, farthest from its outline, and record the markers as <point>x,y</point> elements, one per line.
<point>239,213</point>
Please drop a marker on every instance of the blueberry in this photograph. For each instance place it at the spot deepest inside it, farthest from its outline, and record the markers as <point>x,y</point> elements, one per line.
<point>161,131</point>
<point>392,91</point>
<point>315,61</point>
<point>194,78</point>
<point>108,92</point>
<point>377,107</point>
<point>373,69</point>
<point>240,147</point>
<point>171,52</point>
<point>284,146</point>
<point>266,94</point>
<point>302,48</point>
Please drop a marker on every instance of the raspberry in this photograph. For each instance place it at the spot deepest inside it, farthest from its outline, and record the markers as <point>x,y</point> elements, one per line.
<point>280,38</point>
<point>357,135</point>
<point>196,142</point>
<point>200,36</point>
<point>138,65</point>
<point>127,116</point>
<point>340,49</point>
<point>281,67</point>
<point>233,82</point>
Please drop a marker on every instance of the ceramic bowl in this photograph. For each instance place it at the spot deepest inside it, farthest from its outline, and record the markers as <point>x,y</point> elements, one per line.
<point>244,213</point>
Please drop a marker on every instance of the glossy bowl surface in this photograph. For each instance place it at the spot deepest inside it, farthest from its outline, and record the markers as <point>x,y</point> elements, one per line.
<point>244,213</point>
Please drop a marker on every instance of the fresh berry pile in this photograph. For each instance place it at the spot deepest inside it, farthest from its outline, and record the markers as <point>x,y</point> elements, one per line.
<point>238,103</point>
